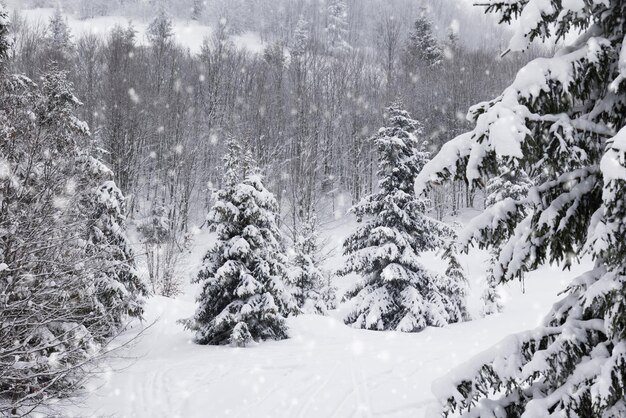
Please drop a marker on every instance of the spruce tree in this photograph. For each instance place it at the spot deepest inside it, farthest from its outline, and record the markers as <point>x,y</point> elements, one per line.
<point>118,290</point>
<point>42,298</point>
<point>110,268</point>
<point>422,49</point>
<point>563,122</point>
<point>301,39</point>
<point>58,44</point>
<point>55,315</point>
<point>245,295</point>
<point>337,28</point>
<point>395,291</point>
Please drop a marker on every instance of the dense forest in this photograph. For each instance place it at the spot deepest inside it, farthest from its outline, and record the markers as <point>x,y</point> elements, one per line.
<point>306,106</point>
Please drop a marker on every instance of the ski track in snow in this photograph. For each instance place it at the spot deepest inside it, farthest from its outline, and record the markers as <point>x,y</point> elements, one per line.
<point>325,369</point>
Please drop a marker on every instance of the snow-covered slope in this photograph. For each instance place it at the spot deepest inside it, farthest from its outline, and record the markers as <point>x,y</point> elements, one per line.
<point>326,369</point>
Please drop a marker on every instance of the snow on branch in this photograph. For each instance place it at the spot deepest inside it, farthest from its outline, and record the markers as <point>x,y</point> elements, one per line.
<point>613,163</point>
<point>497,216</point>
<point>502,125</point>
<point>444,165</point>
<point>520,363</point>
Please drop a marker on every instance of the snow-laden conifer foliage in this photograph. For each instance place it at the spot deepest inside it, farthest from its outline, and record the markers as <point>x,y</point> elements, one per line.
<point>337,27</point>
<point>67,280</point>
<point>395,291</point>
<point>313,291</point>
<point>118,289</point>
<point>511,183</point>
<point>245,293</point>
<point>562,121</point>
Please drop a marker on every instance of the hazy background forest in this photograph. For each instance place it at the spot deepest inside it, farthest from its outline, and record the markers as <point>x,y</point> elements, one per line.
<point>305,94</point>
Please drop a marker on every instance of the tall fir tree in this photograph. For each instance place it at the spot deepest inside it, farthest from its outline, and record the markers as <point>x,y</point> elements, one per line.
<point>396,292</point>
<point>58,44</point>
<point>98,206</point>
<point>119,292</point>
<point>55,316</point>
<point>422,49</point>
<point>337,28</point>
<point>245,295</point>
<point>301,38</point>
<point>562,121</point>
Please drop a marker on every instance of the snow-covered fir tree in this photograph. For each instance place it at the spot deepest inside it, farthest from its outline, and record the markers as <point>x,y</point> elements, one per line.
<point>395,291</point>
<point>422,49</point>
<point>337,28</point>
<point>41,297</point>
<point>301,38</point>
<point>312,289</point>
<point>511,183</point>
<point>118,289</point>
<point>58,43</point>
<point>56,312</point>
<point>238,163</point>
<point>563,121</point>
<point>245,295</point>
<point>93,202</point>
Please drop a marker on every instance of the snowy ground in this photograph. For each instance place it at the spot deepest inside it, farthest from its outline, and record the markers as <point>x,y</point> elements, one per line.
<point>326,369</point>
